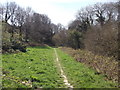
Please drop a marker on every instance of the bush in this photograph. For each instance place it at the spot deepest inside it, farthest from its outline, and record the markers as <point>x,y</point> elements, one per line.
<point>103,40</point>
<point>19,46</point>
<point>11,43</point>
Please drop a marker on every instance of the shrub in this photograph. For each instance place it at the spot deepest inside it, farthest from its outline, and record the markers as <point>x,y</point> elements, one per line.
<point>10,41</point>
<point>103,40</point>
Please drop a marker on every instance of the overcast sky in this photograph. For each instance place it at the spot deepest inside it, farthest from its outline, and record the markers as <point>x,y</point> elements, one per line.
<point>59,11</point>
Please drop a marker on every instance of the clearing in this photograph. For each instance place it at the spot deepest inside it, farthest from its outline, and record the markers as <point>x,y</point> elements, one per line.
<point>46,67</point>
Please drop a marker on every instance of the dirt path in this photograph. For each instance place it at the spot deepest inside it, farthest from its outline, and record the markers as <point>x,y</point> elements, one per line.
<point>62,72</point>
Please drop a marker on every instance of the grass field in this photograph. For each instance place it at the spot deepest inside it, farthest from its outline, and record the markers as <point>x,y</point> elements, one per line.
<point>37,69</point>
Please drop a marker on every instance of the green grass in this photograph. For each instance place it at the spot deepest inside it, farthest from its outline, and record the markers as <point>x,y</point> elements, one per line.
<point>81,76</point>
<point>36,67</point>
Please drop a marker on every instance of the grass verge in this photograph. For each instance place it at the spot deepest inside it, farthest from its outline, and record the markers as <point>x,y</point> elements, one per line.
<point>81,76</point>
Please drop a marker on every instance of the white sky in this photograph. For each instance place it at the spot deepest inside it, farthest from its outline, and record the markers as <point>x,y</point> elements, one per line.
<point>59,11</point>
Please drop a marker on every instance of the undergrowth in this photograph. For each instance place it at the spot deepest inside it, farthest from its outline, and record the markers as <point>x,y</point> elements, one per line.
<point>102,64</point>
<point>81,76</point>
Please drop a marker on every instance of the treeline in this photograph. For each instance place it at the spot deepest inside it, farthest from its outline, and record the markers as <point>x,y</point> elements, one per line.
<point>95,29</point>
<point>21,26</point>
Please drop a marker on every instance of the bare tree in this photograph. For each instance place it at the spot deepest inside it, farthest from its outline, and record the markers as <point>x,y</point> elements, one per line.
<point>9,10</point>
<point>61,38</point>
<point>13,25</point>
<point>54,28</point>
<point>111,11</point>
<point>27,24</point>
<point>41,30</point>
<point>86,17</point>
<point>99,11</point>
<point>74,24</point>
<point>20,17</point>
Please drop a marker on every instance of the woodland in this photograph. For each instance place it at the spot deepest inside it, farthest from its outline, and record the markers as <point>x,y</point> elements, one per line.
<point>91,39</point>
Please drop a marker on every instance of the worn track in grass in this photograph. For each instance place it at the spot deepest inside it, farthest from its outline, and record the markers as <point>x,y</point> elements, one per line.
<point>68,85</point>
<point>48,68</point>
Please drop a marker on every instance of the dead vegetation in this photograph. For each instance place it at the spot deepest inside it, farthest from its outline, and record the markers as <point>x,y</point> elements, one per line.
<point>107,66</point>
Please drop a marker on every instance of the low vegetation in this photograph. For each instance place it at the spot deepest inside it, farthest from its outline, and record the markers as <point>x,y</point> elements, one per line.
<point>10,40</point>
<point>92,38</point>
<point>81,76</point>
<point>35,68</point>
<point>103,65</point>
